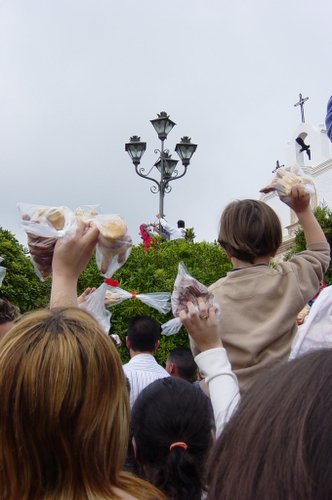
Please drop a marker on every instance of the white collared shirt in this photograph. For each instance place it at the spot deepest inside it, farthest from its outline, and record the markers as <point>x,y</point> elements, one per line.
<point>141,370</point>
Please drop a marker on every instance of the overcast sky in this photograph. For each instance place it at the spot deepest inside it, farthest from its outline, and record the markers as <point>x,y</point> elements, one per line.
<point>79,77</point>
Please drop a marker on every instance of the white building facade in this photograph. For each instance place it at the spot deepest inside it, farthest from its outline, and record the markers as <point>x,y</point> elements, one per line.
<point>310,148</point>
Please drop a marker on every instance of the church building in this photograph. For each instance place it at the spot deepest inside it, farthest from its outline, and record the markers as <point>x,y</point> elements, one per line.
<point>309,147</point>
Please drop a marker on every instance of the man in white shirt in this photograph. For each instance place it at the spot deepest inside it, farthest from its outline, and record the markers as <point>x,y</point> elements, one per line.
<point>142,341</point>
<point>175,233</point>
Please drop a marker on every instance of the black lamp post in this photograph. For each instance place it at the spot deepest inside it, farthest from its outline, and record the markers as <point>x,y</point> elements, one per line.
<point>165,164</point>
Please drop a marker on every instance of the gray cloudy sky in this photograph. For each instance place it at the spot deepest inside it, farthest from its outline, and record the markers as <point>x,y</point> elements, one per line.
<point>79,77</point>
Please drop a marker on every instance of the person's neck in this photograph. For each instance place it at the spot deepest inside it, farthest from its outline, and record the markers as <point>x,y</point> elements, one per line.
<point>239,264</point>
<point>135,353</point>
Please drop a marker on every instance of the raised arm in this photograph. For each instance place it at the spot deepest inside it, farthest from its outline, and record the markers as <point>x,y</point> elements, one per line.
<point>202,325</point>
<point>300,203</point>
<point>71,256</point>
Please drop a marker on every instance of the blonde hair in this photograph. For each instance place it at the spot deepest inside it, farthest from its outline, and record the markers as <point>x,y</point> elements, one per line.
<point>64,410</point>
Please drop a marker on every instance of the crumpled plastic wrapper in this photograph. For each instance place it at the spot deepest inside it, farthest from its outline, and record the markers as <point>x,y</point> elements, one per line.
<point>186,288</point>
<point>287,177</point>
<point>94,304</point>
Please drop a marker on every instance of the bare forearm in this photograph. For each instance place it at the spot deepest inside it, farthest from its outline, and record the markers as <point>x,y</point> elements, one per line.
<point>64,292</point>
<point>312,230</point>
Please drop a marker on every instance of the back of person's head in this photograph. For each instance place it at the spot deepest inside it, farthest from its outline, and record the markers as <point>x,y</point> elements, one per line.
<point>9,313</point>
<point>249,229</point>
<point>171,424</point>
<point>143,333</point>
<point>181,223</point>
<point>278,444</point>
<point>64,418</point>
<point>180,363</point>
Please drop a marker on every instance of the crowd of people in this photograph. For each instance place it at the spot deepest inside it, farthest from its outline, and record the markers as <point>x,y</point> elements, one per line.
<point>229,418</point>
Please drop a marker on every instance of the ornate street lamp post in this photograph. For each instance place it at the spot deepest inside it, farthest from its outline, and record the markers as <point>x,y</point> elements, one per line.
<point>165,164</point>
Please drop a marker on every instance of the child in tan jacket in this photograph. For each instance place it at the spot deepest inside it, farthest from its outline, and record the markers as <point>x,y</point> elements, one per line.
<point>258,302</point>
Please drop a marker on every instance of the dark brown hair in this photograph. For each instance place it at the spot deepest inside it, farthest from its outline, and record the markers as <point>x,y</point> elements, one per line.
<point>143,333</point>
<point>168,411</point>
<point>183,358</point>
<point>8,311</point>
<point>278,444</point>
<point>249,229</point>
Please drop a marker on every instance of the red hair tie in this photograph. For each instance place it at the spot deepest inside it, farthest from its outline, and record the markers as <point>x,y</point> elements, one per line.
<point>134,294</point>
<point>178,444</point>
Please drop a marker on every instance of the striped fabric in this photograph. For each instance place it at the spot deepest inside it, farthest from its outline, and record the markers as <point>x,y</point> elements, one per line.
<point>141,370</point>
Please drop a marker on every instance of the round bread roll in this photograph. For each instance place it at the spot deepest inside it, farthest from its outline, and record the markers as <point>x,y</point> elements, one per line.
<point>113,229</point>
<point>54,216</point>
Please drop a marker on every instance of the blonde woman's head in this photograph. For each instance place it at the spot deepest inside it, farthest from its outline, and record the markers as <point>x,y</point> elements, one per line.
<point>64,408</point>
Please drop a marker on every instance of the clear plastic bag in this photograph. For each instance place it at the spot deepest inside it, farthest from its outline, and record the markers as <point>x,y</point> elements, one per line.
<point>94,304</point>
<point>87,212</point>
<point>158,300</point>
<point>114,243</point>
<point>107,295</point>
<point>186,288</point>
<point>285,178</point>
<point>316,332</point>
<point>44,226</point>
<point>2,272</point>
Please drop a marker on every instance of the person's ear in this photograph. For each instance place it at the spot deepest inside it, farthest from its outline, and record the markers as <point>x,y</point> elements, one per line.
<point>136,451</point>
<point>134,445</point>
<point>172,369</point>
<point>128,344</point>
<point>157,344</point>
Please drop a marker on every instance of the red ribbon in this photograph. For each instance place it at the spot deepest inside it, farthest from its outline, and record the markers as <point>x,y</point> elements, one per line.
<point>134,294</point>
<point>110,282</point>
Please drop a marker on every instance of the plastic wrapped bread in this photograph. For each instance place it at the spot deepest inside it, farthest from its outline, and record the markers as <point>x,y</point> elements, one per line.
<point>114,243</point>
<point>285,179</point>
<point>186,288</point>
<point>87,212</point>
<point>44,226</point>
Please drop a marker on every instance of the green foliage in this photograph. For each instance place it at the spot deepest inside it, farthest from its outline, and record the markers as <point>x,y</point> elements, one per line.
<point>190,234</point>
<point>324,217</point>
<point>155,271</point>
<point>21,285</point>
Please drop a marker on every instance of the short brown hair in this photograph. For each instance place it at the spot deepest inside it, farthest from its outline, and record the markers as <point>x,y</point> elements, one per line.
<point>249,229</point>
